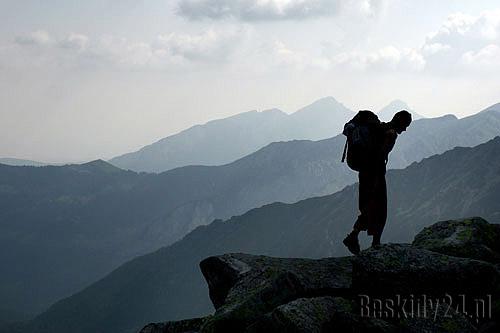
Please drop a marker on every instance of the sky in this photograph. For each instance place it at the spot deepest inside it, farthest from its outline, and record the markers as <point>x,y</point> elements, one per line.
<point>81,80</point>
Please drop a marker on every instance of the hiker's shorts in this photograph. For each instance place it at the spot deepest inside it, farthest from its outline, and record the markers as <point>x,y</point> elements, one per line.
<point>372,201</point>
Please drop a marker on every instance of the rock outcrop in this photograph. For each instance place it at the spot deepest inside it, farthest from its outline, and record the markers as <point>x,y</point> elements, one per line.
<point>447,280</point>
<point>468,238</point>
<point>404,269</point>
<point>244,287</point>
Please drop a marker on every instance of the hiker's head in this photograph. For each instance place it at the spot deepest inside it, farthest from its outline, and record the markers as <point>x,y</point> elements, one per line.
<point>401,121</point>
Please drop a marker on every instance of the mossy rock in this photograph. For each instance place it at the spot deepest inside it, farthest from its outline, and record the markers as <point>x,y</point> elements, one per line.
<point>405,269</point>
<point>444,320</point>
<point>317,315</point>
<point>255,285</point>
<point>181,326</point>
<point>472,237</point>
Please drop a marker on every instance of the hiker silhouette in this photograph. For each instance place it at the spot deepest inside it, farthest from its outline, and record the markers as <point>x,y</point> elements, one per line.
<point>367,149</point>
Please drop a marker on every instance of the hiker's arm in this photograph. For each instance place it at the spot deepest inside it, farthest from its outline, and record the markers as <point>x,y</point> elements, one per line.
<point>388,143</point>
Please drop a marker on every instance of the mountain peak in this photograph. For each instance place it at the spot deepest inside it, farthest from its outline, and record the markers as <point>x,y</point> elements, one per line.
<point>325,101</point>
<point>326,104</point>
<point>97,165</point>
<point>399,103</point>
<point>388,111</point>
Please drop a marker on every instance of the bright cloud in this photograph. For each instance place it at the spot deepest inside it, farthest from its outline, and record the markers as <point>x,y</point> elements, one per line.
<point>39,37</point>
<point>464,41</point>
<point>74,41</point>
<point>486,58</point>
<point>108,50</point>
<point>465,31</point>
<point>211,45</point>
<point>272,10</point>
<point>386,58</point>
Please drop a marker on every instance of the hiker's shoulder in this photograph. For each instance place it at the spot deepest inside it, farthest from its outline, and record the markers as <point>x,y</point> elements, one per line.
<point>391,132</point>
<point>387,131</point>
<point>386,128</point>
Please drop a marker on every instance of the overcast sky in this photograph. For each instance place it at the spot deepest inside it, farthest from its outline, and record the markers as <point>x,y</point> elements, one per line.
<point>81,80</point>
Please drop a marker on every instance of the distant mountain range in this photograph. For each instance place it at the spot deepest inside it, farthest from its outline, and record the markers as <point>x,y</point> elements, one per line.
<point>429,136</point>
<point>84,220</point>
<point>20,162</point>
<point>224,140</point>
<point>167,284</point>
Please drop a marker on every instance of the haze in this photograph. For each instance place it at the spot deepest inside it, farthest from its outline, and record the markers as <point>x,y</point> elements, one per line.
<point>95,79</point>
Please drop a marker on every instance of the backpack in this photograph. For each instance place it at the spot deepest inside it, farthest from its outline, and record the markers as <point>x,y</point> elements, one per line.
<point>362,139</point>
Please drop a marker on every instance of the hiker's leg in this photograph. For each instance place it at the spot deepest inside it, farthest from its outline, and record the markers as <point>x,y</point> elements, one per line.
<point>380,213</point>
<point>365,190</point>
<point>368,201</point>
<point>382,203</point>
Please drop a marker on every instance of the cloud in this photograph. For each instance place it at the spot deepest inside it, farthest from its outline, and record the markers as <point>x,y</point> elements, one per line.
<point>463,45</point>
<point>212,45</point>
<point>278,55</point>
<point>486,58</point>
<point>434,48</point>
<point>168,50</point>
<point>386,58</point>
<point>283,56</point>
<point>461,31</point>
<point>272,10</point>
<point>39,37</point>
<point>74,42</point>
<point>463,42</point>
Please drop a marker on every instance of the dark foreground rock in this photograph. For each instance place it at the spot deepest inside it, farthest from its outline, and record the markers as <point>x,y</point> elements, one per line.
<point>320,314</point>
<point>437,284</point>
<point>469,238</point>
<point>404,269</point>
<point>181,326</point>
<point>244,287</point>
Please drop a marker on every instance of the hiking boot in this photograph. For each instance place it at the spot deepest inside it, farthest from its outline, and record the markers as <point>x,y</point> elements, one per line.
<point>352,243</point>
<point>376,241</point>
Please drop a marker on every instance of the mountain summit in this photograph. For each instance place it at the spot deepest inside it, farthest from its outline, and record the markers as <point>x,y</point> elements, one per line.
<point>388,111</point>
<point>224,140</point>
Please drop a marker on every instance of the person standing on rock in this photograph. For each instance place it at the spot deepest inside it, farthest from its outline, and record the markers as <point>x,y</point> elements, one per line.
<point>368,145</point>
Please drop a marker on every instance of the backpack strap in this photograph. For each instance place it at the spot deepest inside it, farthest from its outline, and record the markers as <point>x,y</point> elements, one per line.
<point>345,151</point>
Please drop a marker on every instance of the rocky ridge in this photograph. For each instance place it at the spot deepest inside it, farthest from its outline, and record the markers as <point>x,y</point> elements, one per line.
<point>447,280</point>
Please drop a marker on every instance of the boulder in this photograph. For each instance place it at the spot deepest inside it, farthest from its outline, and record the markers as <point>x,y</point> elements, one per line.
<point>316,315</point>
<point>244,287</point>
<point>472,238</point>
<point>392,269</point>
<point>181,326</point>
<point>444,319</point>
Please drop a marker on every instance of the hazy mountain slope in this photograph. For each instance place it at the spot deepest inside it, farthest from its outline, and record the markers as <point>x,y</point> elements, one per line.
<point>429,136</point>
<point>50,222</point>
<point>388,111</point>
<point>224,140</point>
<point>494,107</point>
<point>167,284</point>
<point>20,162</point>
<point>84,220</point>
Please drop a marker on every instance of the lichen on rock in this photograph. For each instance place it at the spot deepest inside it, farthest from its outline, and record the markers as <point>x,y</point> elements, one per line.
<point>472,238</point>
